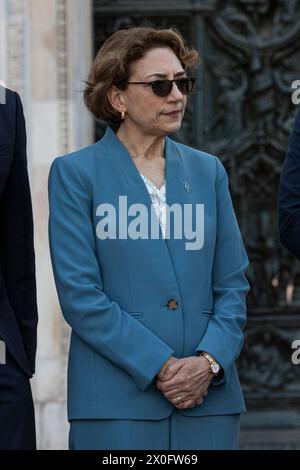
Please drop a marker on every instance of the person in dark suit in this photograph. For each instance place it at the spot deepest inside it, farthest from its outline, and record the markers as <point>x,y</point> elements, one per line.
<point>18,305</point>
<point>289,194</point>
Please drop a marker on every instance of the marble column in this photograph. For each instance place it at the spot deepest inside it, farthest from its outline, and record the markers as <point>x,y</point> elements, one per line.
<point>3,53</point>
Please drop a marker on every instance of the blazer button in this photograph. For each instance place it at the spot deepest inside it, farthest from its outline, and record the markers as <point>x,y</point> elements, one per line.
<point>172,304</point>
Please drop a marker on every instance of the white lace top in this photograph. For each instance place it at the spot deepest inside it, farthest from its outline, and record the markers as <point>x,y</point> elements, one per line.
<point>158,198</point>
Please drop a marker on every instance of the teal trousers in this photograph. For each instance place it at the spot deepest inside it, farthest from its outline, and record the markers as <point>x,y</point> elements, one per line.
<point>175,432</point>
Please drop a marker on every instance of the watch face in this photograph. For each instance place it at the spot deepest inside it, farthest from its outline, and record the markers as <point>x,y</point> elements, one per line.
<point>215,368</point>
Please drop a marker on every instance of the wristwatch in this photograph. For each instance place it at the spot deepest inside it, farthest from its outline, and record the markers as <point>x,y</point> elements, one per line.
<point>214,365</point>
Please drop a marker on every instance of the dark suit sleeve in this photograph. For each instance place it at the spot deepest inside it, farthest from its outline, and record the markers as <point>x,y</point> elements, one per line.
<point>17,249</point>
<point>289,194</point>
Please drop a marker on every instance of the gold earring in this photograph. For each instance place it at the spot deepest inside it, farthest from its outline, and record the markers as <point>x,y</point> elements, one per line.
<point>123,115</point>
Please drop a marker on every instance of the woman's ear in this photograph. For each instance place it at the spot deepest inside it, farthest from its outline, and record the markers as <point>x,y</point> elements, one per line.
<point>114,96</point>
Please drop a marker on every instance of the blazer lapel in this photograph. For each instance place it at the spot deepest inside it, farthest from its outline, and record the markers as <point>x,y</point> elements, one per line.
<point>176,186</point>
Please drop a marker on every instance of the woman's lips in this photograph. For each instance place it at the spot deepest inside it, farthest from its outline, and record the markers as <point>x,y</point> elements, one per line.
<point>173,113</point>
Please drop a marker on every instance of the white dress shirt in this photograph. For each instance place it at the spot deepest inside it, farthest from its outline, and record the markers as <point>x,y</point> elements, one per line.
<point>158,198</point>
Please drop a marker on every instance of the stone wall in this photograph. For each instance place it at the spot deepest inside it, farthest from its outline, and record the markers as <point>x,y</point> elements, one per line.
<point>45,53</point>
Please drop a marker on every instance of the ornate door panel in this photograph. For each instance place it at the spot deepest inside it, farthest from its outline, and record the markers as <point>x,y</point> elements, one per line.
<point>242,112</point>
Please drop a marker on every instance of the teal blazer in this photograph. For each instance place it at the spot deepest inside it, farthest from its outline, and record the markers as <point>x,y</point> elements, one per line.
<point>115,293</point>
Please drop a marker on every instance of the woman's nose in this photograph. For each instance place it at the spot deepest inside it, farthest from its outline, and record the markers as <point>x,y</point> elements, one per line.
<point>175,92</point>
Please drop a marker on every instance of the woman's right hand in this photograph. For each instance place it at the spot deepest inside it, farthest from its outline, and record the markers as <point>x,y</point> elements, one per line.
<point>194,396</point>
<point>163,375</point>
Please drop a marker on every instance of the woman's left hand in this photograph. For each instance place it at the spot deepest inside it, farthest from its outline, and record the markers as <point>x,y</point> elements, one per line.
<point>190,383</point>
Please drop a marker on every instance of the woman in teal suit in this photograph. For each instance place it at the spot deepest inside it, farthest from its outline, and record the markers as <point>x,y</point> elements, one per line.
<point>148,262</point>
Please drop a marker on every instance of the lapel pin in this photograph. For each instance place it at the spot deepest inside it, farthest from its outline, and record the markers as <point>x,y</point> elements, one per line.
<point>187,187</point>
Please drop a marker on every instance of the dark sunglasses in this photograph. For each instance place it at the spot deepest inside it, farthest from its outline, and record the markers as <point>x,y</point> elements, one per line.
<point>164,87</point>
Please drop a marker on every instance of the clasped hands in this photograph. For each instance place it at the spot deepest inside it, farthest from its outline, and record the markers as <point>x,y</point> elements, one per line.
<point>187,378</point>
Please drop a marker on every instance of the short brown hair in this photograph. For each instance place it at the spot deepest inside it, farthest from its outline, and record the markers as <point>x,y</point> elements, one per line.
<point>112,62</point>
